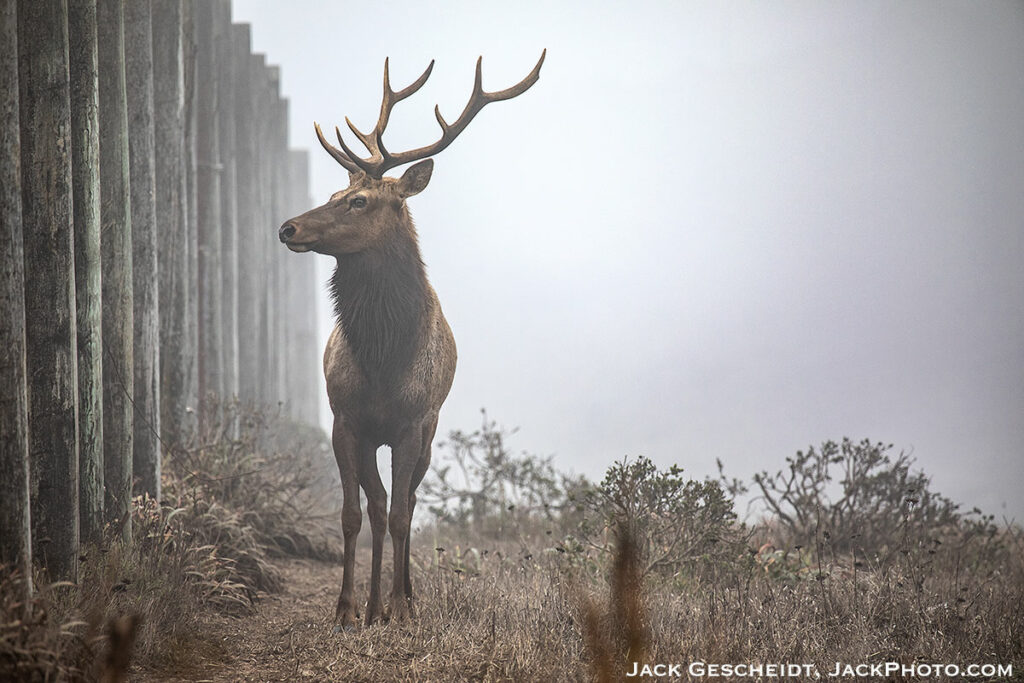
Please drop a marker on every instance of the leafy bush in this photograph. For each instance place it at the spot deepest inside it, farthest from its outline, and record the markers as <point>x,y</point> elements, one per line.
<point>676,522</point>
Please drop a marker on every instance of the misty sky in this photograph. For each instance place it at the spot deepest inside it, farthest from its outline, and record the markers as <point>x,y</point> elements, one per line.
<point>720,229</point>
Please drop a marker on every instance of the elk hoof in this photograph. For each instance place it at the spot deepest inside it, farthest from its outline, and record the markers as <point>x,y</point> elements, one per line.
<point>343,628</point>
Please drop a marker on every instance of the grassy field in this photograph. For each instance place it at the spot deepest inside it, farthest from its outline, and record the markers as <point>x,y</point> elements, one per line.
<point>525,576</point>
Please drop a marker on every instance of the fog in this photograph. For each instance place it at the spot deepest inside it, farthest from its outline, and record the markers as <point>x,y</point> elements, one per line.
<point>711,230</point>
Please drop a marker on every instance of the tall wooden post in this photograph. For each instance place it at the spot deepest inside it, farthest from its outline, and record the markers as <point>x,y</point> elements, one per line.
<point>171,218</point>
<point>51,345</point>
<point>265,228</point>
<point>118,301</point>
<point>226,114</point>
<point>247,216</point>
<point>260,80</point>
<point>276,250</point>
<point>15,517</point>
<point>208,186</point>
<point>188,56</point>
<point>138,46</point>
<point>85,178</point>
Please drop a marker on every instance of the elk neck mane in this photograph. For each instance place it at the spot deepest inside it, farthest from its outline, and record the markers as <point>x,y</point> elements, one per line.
<point>380,297</point>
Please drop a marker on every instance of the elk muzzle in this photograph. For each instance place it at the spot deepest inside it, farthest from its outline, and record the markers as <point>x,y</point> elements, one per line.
<point>286,232</point>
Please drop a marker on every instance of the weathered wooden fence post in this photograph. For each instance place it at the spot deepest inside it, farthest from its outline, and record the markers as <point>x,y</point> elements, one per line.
<point>51,345</point>
<point>138,46</point>
<point>188,56</point>
<point>247,197</point>
<point>272,164</point>
<point>260,80</point>
<point>118,313</point>
<point>281,291</point>
<point>226,114</point>
<point>208,175</point>
<point>171,218</point>
<point>85,179</point>
<point>15,518</point>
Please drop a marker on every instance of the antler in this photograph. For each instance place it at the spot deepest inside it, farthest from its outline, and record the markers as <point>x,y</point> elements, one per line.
<point>381,159</point>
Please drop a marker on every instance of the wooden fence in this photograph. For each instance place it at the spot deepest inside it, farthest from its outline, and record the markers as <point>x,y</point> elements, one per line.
<point>145,171</point>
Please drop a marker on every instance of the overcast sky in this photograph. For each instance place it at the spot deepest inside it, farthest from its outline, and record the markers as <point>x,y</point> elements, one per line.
<point>713,229</point>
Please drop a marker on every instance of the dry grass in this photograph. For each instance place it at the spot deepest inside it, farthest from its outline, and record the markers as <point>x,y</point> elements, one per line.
<point>279,476</point>
<point>517,609</point>
<point>228,506</point>
<point>513,618</point>
<point>206,591</point>
<point>78,632</point>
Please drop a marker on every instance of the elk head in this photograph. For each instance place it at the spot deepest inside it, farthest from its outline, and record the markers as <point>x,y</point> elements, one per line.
<point>365,213</point>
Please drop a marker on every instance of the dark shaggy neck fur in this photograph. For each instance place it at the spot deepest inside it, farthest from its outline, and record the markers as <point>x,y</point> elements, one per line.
<point>379,298</point>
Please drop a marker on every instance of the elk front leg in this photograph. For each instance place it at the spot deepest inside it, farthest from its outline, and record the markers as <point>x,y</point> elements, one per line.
<point>351,519</point>
<point>377,509</point>
<point>405,456</point>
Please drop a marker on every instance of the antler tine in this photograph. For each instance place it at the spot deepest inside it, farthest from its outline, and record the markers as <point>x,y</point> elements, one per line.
<point>520,87</point>
<point>367,140</point>
<point>366,165</point>
<point>477,101</point>
<point>390,99</point>
<point>412,87</point>
<point>337,154</point>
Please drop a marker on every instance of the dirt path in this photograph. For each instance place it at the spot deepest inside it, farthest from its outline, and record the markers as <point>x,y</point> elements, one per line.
<point>287,639</point>
<point>509,621</point>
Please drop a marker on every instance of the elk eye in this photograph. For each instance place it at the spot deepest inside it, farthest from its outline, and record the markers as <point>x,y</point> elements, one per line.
<point>357,202</point>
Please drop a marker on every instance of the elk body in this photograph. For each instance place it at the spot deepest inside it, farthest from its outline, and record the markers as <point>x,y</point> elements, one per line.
<point>390,359</point>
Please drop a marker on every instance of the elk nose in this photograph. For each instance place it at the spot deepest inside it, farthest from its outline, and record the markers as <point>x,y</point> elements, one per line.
<point>286,232</point>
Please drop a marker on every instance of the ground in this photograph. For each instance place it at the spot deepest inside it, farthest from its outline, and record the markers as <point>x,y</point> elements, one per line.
<point>288,638</point>
<point>505,623</point>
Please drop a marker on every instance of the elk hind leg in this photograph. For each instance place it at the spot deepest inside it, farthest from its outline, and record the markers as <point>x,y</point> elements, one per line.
<point>405,457</point>
<point>351,519</point>
<point>377,510</point>
<point>417,477</point>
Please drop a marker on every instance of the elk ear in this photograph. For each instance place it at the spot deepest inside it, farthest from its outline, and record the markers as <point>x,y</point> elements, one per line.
<point>415,179</point>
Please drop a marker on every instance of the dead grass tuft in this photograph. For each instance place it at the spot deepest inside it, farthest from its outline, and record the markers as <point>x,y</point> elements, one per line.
<point>278,475</point>
<point>620,635</point>
<point>121,633</point>
<point>35,644</point>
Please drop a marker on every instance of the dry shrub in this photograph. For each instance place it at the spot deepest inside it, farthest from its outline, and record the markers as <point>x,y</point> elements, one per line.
<point>857,496</point>
<point>208,546</point>
<point>477,483</point>
<point>279,475</point>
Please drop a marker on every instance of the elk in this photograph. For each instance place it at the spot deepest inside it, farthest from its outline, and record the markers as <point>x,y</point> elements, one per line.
<point>390,360</point>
